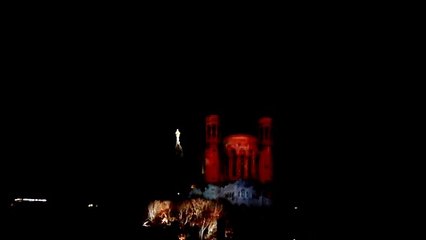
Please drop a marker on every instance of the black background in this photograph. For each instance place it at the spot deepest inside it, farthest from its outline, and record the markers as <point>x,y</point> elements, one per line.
<point>90,113</point>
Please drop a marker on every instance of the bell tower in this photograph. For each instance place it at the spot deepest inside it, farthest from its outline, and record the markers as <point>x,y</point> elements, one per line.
<point>212,160</point>
<point>265,160</point>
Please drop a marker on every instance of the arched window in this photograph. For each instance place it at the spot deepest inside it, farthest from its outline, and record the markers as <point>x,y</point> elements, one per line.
<point>241,155</point>
<point>234,161</point>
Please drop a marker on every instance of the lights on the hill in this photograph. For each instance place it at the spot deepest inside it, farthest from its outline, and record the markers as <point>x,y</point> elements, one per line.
<point>92,205</point>
<point>30,200</point>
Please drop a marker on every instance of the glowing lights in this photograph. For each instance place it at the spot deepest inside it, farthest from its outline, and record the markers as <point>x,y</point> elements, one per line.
<point>295,208</point>
<point>30,200</point>
<point>91,205</point>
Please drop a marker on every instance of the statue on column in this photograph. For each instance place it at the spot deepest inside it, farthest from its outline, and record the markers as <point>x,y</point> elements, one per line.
<point>178,147</point>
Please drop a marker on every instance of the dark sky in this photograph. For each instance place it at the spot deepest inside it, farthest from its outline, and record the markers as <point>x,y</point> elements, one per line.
<point>90,110</point>
<point>101,116</point>
<point>121,140</point>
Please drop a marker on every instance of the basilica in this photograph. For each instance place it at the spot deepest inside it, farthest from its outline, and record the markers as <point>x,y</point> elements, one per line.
<point>235,164</point>
<point>238,156</point>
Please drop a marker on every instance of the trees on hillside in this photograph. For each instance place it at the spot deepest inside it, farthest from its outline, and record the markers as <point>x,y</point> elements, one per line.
<point>198,213</point>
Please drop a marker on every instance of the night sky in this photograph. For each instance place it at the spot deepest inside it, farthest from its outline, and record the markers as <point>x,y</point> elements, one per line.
<point>120,142</point>
<point>96,121</point>
<point>89,109</point>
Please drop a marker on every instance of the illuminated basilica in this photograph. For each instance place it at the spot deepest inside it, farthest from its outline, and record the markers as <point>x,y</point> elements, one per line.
<point>234,163</point>
<point>245,157</point>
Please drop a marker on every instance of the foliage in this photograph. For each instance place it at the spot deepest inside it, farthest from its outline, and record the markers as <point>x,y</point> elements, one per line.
<point>198,213</point>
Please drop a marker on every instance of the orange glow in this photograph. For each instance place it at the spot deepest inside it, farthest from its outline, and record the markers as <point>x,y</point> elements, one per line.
<point>199,213</point>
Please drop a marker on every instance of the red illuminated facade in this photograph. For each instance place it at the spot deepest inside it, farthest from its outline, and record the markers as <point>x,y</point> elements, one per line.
<point>244,156</point>
<point>212,162</point>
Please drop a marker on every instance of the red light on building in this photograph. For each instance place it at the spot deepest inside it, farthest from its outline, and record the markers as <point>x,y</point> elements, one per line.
<point>212,162</point>
<point>246,157</point>
<point>265,159</point>
<point>241,151</point>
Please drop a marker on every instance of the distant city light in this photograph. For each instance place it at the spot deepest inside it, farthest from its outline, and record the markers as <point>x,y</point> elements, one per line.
<point>178,193</point>
<point>30,200</point>
<point>91,205</point>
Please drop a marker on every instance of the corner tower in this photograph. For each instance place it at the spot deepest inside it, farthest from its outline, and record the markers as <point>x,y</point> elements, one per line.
<point>265,159</point>
<point>212,159</point>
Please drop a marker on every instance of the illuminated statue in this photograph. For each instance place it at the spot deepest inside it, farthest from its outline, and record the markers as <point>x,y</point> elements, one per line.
<point>177,136</point>
<point>179,150</point>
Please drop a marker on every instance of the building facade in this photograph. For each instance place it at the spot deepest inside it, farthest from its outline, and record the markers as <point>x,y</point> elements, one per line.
<point>237,193</point>
<point>238,156</point>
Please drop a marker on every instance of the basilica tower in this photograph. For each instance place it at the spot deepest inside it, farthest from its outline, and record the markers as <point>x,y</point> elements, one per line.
<point>212,160</point>
<point>265,160</point>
